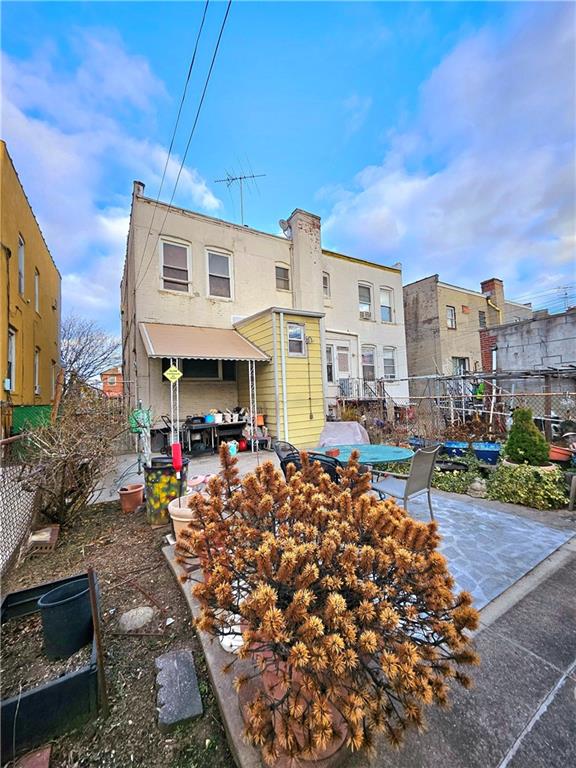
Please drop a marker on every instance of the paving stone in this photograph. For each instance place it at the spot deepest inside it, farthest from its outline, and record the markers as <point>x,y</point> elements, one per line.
<point>40,758</point>
<point>179,697</point>
<point>136,618</point>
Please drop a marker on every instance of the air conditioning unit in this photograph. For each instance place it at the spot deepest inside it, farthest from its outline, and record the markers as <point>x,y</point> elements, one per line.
<point>37,389</point>
<point>365,316</point>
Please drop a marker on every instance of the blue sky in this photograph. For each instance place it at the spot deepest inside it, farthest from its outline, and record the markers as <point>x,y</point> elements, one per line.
<point>438,134</point>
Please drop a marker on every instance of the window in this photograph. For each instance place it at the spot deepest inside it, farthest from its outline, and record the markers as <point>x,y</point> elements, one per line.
<point>451,317</point>
<point>53,379</point>
<point>365,301</point>
<point>296,340</point>
<point>11,371</point>
<point>21,265</point>
<point>208,370</point>
<point>326,284</point>
<point>283,278</point>
<point>36,371</point>
<point>368,363</point>
<point>386,305</point>
<point>343,357</point>
<point>460,365</point>
<point>482,319</point>
<point>175,267</point>
<point>330,363</point>
<point>219,283</point>
<point>112,381</point>
<point>37,291</point>
<point>389,363</point>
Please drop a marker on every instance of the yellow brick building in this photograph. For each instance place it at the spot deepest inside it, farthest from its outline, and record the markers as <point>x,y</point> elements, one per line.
<point>29,299</point>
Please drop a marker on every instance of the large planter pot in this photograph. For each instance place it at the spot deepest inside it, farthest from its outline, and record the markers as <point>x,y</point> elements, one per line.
<point>545,468</point>
<point>131,496</point>
<point>455,448</point>
<point>489,453</point>
<point>66,618</point>
<point>559,453</point>
<point>162,486</point>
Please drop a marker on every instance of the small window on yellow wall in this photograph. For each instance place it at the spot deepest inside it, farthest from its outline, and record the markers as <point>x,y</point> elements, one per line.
<point>296,340</point>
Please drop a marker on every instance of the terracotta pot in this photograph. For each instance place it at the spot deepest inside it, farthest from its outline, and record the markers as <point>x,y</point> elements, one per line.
<point>131,496</point>
<point>559,453</point>
<point>180,514</point>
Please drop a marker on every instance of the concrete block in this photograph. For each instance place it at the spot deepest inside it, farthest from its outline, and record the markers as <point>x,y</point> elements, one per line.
<point>179,697</point>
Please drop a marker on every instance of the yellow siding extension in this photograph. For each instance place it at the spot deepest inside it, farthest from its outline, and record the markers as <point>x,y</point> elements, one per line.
<point>34,313</point>
<point>304,393</point>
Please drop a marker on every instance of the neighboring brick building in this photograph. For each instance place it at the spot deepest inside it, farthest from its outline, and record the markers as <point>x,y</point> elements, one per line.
<point>112,382</point>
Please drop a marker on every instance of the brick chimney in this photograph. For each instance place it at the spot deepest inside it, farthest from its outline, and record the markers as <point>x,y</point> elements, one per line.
<point>493,289</point>
<point>307,261</point>
<point>138,188</point>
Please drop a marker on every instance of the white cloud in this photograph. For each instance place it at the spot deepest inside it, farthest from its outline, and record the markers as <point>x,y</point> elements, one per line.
<point>496,123</point>
<point>356,108</point>
<point>68,129</point>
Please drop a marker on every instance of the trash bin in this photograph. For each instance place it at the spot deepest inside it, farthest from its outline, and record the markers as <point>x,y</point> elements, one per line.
<point>162,486</point>
<point>66,618</point>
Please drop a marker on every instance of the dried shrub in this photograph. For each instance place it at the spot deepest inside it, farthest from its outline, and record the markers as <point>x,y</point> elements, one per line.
<point>344,598</point>
<point>67,459</point>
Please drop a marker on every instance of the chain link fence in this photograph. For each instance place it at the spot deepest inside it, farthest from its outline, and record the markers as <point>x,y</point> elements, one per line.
<point>18,502</point>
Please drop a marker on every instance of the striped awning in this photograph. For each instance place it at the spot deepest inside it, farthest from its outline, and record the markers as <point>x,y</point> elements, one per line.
<point>194,342</point>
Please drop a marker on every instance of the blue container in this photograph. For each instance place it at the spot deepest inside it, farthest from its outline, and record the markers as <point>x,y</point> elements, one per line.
<point>489,453</point>
<point>455,448</point>
<point>416,442</point>
<point>209,418</point>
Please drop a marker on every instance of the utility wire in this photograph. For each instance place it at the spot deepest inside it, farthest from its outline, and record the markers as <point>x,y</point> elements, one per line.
<point>198,111</point>
<point>190,68</point>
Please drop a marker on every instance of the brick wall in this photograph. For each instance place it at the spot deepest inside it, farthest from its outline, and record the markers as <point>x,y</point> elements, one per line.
<point>487,344</point>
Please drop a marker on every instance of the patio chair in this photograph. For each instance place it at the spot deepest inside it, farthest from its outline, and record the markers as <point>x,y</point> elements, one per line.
<point>417,482</point>
<point>329,464</point>
<point>283,449</point>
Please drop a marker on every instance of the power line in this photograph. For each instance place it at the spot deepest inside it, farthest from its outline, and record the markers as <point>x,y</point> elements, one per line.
<point>198,111</point>
<point>190,68</point>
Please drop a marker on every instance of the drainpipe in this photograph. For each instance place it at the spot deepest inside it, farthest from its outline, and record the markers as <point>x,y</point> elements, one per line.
<point>491,304</point>
<point>275,364</point>
<point>283,368</point>
<point>323,364</point>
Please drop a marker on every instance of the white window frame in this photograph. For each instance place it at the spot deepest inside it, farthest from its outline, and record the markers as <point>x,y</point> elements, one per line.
<point>21,265</point>
<point>360,311</point>
<point>111,381</point>
<point>37,370</point>
<point>37,291</point>
<point>390,292</point>
<point>370,348</point>
<point>391,356</point>
<point>286,267</point>
<point>326,288</point>
<point>11,358</point>
<point>451,318</point>
<point>227,255</point>
<point>331,360</point>
<point>455,366</point>
<point>180,244</point>
<point>343,347</point>
<point>302,327</point>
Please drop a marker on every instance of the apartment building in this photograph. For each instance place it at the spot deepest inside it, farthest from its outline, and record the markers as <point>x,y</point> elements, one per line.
<point>29,300</point>
<point>443,324</point>
<point>315,324</point>
<point>112,382</point>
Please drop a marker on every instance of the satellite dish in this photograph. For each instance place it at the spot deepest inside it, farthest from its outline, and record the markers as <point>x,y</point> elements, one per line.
<point>285,227</point>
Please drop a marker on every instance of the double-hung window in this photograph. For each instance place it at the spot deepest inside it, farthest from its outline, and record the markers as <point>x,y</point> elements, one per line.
<point>482,318</point>
<point>112,381</point>
<point>175,275</point>
<point>330,363</point>
<point>389,363</point>
<point>11,371</point>
<point>386,305</point>
<point>369,363</point>
<point>365,301</point>
<point>451,317</point>
<point>326,285</point>
<point>296,340</point>
<point>219,275</point>
<point>282,278</point>
<point>37,291</point>
<point>21,265</point>
<point>36,371</point>
<point>343,357</point>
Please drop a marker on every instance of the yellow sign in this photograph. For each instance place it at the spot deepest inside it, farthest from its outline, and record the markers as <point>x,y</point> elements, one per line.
<point>173,374</point>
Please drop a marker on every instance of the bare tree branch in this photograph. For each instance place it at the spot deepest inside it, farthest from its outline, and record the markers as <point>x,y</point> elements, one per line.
<point>87,350</point>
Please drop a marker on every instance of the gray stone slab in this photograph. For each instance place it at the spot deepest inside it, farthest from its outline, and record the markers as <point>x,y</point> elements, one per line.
<point>544,622</point>
<point>483,723</point>
<point>179,697</point>
<point>551,742</point>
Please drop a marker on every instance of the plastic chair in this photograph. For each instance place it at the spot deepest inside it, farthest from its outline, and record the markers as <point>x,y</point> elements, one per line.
<point>417,482</point>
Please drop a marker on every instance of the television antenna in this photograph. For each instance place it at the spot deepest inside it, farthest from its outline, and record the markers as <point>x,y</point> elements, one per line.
<point>229,180</point>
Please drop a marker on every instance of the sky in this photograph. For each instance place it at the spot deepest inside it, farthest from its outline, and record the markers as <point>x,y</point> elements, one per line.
<point>438,135</point>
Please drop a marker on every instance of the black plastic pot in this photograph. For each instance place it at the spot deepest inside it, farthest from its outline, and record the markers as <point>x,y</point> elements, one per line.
<point>451,466</point>
<point>66,619</point>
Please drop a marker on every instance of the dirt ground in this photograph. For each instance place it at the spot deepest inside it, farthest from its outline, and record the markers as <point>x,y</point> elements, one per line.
<point>124,551</point>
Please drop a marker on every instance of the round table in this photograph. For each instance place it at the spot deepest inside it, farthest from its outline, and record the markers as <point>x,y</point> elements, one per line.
<point>370,454</point>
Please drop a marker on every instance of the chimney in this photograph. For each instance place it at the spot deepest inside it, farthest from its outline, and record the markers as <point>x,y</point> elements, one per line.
<point>493,289</point>
<point>306,261</point>
<point>138,189</point>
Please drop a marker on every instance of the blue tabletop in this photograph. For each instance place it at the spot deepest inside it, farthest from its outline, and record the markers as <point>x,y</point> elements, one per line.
<point>370,454</point>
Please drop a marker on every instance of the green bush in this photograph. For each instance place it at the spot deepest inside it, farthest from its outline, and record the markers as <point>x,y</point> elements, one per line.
<point>526,444</point>
<point>529,486</point>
